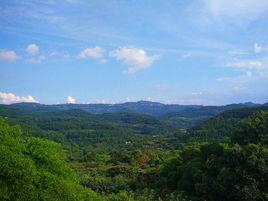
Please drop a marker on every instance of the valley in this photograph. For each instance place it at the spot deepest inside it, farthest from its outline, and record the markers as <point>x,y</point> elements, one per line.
<point>137,151</point>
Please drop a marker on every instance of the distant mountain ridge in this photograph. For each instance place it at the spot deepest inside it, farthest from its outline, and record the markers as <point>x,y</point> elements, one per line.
<point>184,116</point>
<point>145,107</point>
<point>103,123</point>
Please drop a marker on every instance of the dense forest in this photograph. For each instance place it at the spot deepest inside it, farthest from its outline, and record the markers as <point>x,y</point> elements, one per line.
<point>140,151</point>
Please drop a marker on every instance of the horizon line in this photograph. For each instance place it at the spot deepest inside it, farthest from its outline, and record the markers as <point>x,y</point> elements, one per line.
<point>139,101</point>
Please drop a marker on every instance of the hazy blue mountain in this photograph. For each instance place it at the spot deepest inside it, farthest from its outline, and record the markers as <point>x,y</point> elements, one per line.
<point>146,107</point>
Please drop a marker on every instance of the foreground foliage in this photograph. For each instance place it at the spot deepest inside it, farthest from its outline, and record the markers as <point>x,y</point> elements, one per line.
<point>34,169</point>
<point>219,172</point>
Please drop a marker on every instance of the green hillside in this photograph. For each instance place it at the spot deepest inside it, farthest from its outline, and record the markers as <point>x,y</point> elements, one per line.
<point>221,126</point>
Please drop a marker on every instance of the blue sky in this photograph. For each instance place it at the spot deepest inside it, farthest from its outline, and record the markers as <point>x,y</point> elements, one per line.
<point>209,52</point>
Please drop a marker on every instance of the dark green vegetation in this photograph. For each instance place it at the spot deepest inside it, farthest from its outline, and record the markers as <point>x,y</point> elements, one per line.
<point>219,128</point>
<point>184,116</point>
<point>63,152</point>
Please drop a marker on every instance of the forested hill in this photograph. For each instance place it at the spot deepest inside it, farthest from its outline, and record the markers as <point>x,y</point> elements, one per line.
<point>220,127</point>
<point>183,116</point>
<point>146,107</point>
<point>72,123</point>
<point>107,131</point>
<point>49,118</point>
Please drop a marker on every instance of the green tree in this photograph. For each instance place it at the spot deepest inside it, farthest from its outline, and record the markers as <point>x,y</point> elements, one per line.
<point>35,169</point>
<point>216,172</point>
<point>252,130</point>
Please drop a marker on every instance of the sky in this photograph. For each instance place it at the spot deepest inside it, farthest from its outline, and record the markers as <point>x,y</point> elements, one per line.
<point>209,52</point>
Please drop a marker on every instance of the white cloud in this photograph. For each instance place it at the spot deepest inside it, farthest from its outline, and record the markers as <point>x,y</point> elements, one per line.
<point>9,98</point>
<point>32,49</point>
<point>136,59</point>
<point>260,49</point>
<point>95,53</point>
<point>238,9</point>
<point>8,55</point>
<point>249,64</point>
<point>70,100</point>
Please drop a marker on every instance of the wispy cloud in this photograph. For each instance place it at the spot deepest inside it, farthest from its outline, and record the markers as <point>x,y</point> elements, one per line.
<point>160,88</point>
<point>136,59</point>
<point>8,55</point>
<point>37,59</point>
<point>9,98</point>
<point>103,61</point>
<point>237,52</point>
<point>238,10</point>
<point>185,56</point>
<point>246,75</point>
<point>259,48</point>
<point>241,83</point>
<point>60,55</point>
<point>187,101</point>
<point>199,93</point>
<point>248,64</point>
